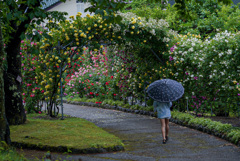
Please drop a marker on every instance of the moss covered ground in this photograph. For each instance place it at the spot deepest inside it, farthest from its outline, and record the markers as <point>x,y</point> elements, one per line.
<point>73,133</point>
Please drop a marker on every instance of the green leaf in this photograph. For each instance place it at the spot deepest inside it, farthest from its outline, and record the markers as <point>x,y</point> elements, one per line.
<point>31,15</point>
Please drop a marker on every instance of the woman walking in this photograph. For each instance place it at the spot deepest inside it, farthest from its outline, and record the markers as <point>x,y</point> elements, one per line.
<point>164,92</point>
<point>164,114</point>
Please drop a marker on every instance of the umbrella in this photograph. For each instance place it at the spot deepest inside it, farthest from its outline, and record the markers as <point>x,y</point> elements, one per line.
<point>165,90</point>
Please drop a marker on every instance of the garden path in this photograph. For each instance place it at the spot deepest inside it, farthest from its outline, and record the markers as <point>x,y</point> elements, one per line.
<point>143,142</point>
<point>142,137</point>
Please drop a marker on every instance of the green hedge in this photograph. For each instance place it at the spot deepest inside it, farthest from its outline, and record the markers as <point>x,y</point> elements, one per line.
<point>232,133</point>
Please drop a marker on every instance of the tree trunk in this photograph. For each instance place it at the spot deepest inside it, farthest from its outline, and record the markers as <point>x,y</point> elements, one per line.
<point>4,127</point>
<point>15,111</point>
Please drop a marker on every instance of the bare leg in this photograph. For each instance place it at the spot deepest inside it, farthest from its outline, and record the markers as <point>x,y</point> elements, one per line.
<point>167,126</point>
<point>163,128</point>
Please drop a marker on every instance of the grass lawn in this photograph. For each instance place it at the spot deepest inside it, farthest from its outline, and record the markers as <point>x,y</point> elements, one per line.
<point>71,132</point>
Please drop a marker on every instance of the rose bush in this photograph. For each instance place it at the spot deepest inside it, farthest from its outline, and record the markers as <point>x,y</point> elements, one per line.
<point>60,48</point>
<point>209,70</point>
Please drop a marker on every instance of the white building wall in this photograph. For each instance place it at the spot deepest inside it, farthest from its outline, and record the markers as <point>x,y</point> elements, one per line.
<point>71,7</point>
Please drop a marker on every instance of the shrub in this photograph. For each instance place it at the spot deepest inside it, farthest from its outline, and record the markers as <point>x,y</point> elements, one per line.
<point>234,135</point>
<point>182,116</point>
<point>199,121</point>
<point>223,127</point>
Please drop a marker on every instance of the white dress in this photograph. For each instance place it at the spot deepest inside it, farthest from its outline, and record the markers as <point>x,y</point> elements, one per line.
<point>163,109</point>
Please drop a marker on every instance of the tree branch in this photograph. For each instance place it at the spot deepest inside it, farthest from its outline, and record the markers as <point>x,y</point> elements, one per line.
<point>23,25</point>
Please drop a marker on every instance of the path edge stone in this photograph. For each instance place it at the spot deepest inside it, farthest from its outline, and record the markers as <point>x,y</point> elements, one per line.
<point>63,149</point>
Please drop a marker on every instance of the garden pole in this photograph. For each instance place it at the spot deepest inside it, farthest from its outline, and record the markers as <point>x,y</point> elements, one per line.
<point>61,89</point>
<point>238,104</point>
<point>211,109</point>
<point>225,106</point>
<point>145,93</point>
<point>61,93</point>
<point>157,57</point>
<point>54,107</point>
<point>132,100</point>
<point>45,107</point>
<point>187,105</point>
<point>178,105</point>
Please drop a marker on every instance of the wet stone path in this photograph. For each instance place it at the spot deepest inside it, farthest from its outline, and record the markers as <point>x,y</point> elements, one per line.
<point>143,141</point>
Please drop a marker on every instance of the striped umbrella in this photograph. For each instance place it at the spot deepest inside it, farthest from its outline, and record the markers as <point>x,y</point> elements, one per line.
<point>165,90</point>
